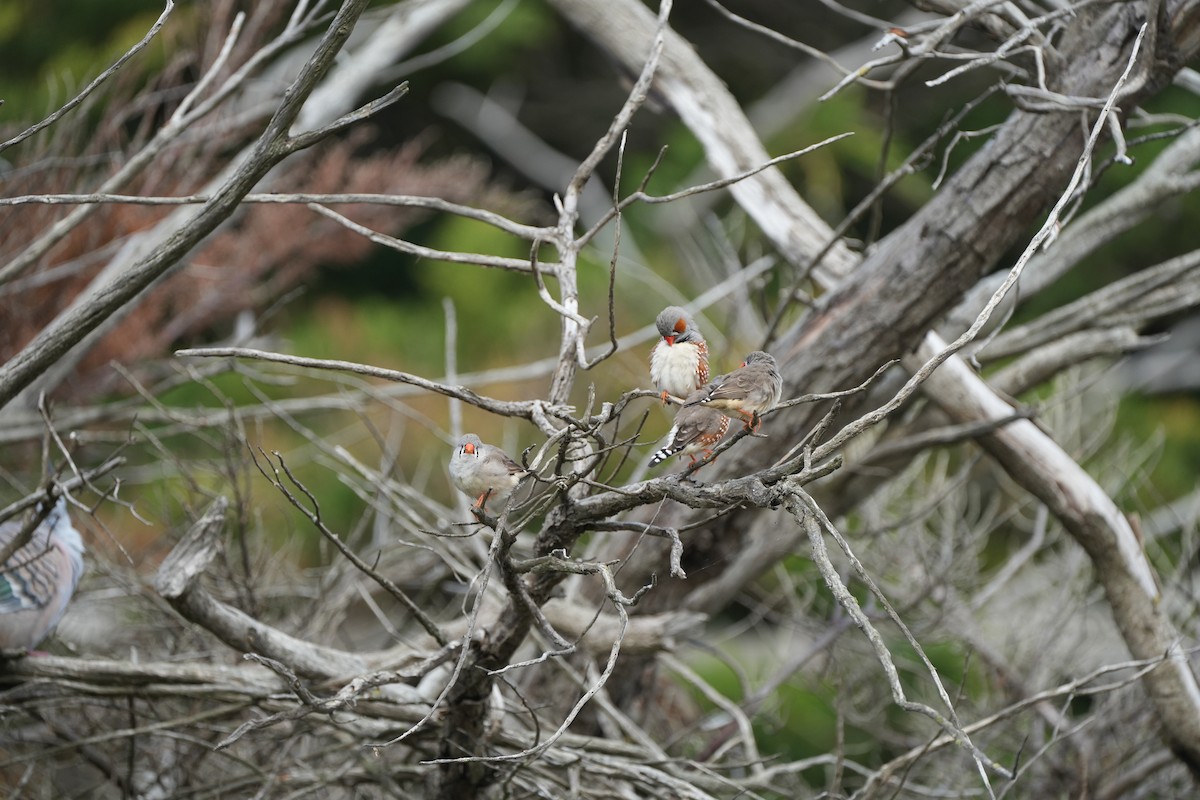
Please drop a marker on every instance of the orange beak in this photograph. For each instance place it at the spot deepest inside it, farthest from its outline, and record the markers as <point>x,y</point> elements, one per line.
<point>670,340</point>
<point>469,449</point>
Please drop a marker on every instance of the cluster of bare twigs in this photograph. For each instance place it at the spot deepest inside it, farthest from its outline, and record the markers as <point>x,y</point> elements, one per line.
<point>572,644</point>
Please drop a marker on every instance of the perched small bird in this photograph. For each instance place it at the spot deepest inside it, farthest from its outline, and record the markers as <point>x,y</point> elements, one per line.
<point>477,469</point>
<point>679,361</point>
<point>37,581</point>
<point>697,428</point>
<point>749,391</point>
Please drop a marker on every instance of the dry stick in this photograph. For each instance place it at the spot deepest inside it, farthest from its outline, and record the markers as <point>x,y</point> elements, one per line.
<point>95,84</point>
<point>954,724</point>
<point>310,703</point>
<point>252,684</point>
<point>620,602</point>
<point>1117,299</point>
<point>736,712</point>
<point>941,437</point>
<point>630,729</point>
<point>544,293</point>
<point>1095,522</point>
<point>642,196</point>
<point>176,582</point>
<point>524,408</point>
<point>676,556</point>
<point>20,668</point>
<point>314,516</point>
<point>333,93</point>
<point>1170,175</point>
<point>593,629</point>
<point>497,221</point>
<point>572,350</point>
<point>460,663</point>
<point>922,48</point>
<point>1068,690</point>
<point>808,514</point>
<point>808,50</point>
<point>420,251</point>
<point>1040,364</point>
<point>612,266</point>
<point>273,146</point>
<point>450,357</point>
<point>518,591</point>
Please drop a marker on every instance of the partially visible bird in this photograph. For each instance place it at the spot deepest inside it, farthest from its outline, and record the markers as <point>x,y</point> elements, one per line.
<point>749,391</point>
<point>679,361</point>
<point>477,469</point>
<point>37,581</point>
<point>697,428</point>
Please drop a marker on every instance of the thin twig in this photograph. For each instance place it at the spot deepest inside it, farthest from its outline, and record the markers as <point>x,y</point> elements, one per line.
<point>95,83</point>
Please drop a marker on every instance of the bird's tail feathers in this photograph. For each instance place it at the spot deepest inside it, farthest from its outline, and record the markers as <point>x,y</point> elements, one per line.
<point>668,451</point>
<point>662,455</point>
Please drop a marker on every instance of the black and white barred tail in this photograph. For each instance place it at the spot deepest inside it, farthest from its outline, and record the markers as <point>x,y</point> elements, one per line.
<point>671,449</point>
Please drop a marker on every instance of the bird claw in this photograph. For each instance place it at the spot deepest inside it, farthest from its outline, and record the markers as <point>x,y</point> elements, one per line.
<point>670,399</point>
<point>753,424</point>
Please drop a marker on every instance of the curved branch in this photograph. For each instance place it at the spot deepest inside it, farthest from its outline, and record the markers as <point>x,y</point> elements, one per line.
<point>507,408</point>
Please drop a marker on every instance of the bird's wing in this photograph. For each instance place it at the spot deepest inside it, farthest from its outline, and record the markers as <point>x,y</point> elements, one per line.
<point>736,386</point>
<point>32,575</point>
<point>504,463</point>
<point>688,430</point>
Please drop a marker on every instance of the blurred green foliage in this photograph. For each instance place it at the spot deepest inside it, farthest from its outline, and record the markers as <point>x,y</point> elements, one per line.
<point>1143,417</point>
<point>50,50</point>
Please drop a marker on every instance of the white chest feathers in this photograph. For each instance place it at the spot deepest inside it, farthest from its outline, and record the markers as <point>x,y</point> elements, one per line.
<point>679,368</point>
